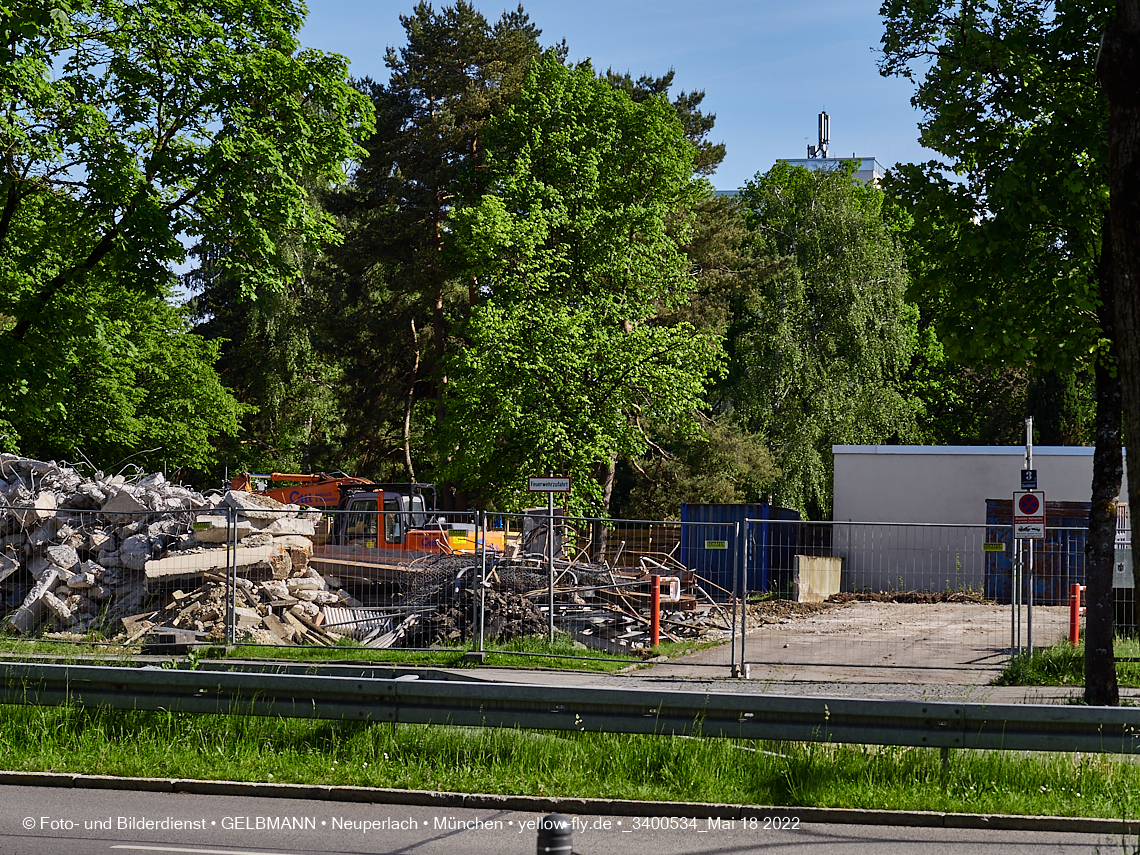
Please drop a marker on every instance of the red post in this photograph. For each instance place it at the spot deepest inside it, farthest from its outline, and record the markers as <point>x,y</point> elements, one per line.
<point>655,611</point>
<point>1074,614</point>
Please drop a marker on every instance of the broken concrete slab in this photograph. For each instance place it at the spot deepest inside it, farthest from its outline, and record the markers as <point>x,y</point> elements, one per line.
<point>123,504</point>
<point>217,529</point>
<point>294,542</point>
<point>189,564</point>
<point>24,619</point>
<point>135,552</point>
<point>9,564</point>
<point>254,507</point>
<point>63,557</point>
<point>65,615</point>
<point>289,526</point>
<point>44,505</point>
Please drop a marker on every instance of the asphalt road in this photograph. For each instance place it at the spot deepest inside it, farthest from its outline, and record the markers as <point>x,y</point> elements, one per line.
<point>46,821</point>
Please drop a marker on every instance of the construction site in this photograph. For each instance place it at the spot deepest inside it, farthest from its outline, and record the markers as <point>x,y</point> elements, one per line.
<point>140,560</point>
<point>138,563</point>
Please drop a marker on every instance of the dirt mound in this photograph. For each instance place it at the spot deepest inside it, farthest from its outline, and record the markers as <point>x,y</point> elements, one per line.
<point>905,597</point>
<point>787,609</point>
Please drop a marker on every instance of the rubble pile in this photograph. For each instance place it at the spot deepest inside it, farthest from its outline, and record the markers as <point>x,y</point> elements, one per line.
<point>82,553</point>
<point>600,606</point>
<point>137,558</point>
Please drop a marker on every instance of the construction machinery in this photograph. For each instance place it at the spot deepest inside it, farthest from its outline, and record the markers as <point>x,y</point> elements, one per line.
<point>380,527</point>
<point>318,490</point>
<point>372,528</point>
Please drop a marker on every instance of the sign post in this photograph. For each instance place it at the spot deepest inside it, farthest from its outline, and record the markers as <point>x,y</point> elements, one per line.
<point>549,485</point>
<point>1028,525</point>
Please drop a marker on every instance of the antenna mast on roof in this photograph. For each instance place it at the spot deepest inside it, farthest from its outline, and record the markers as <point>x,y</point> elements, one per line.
<point>824,137</point>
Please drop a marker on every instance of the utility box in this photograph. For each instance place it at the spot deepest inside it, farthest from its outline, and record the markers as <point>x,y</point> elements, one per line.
<point>1122,568</point>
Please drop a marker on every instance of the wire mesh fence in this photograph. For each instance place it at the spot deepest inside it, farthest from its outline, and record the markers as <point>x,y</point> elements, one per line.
<point>594,580</point>
<point>897,595</point>
<point>145,561</point>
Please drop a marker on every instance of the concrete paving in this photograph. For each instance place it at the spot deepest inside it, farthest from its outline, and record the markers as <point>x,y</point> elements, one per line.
<point>897,651</point>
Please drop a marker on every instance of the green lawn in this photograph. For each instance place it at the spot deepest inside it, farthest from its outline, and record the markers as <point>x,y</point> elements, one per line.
<point>562,654</point>
<point>1064,665</point>
<point>234,747</point>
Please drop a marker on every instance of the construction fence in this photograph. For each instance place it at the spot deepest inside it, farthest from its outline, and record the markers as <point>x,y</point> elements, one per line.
<point>146,562</point>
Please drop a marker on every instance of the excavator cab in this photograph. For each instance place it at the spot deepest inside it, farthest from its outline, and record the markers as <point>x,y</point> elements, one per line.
<point>382,518</point>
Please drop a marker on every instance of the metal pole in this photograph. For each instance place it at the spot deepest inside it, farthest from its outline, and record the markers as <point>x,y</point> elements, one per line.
<point>1020,588</point>
<point>231,577</point>
<point>550,556</point>
<point>1012,588</point>
<point>1029,575</point>
<point>1029,601</point>
<point>655,611</point>
<point>734,666</point>
<point>481,600</point>
<point>743,594</point>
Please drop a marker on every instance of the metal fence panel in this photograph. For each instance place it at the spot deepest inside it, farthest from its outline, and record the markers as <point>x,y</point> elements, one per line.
<point>597,586</point>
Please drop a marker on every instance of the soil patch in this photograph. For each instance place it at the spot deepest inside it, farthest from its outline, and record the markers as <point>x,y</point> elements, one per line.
<point>768,610</point>
<point>905,597</point>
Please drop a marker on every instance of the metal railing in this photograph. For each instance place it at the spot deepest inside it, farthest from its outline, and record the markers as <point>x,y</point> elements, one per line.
<point>1021,727</point>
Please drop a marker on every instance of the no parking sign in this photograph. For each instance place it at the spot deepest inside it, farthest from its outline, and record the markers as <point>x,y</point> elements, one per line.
<point>1029,515</point>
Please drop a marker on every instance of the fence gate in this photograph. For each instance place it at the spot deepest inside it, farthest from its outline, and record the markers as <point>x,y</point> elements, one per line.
<point>880,600</point>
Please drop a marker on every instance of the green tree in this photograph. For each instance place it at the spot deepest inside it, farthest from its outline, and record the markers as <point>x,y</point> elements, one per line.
<point>128,127</point>
<point>396,275</point>
<point>271,352</point>
<point>818,351</point>
<point>577,249</point>
<point>725,462</point>
<point>1012,261</point>
<point>697,124</point>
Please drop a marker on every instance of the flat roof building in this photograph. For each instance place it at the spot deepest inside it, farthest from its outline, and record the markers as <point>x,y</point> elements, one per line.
<point>868,169</point>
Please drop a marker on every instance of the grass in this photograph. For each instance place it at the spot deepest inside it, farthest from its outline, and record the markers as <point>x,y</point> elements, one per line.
<point>63,651</point>
<point>1064,665</point>
<point>234,747</point>
<point>531,652</point>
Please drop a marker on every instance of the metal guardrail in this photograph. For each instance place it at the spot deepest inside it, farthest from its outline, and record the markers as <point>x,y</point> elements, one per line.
<point>409,700</point>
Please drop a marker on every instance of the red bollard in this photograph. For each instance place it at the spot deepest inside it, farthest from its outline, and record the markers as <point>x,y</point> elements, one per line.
<point>1075,614</point>
<point>655,611</point>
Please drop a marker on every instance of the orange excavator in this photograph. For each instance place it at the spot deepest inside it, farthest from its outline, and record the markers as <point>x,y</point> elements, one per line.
<point>376,525</point>
<point>319,490</point>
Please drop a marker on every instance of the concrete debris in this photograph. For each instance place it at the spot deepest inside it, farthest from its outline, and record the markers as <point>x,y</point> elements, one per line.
<point>139,558</point>
<point>85,553</point>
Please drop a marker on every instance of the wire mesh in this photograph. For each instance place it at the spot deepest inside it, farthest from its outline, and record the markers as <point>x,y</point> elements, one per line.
<point>595,586</point>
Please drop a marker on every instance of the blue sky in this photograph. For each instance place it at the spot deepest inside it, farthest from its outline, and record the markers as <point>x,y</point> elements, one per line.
<point>767,67</point>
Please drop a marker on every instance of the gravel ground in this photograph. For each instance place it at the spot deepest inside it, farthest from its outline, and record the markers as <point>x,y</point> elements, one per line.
<point>931,651</point>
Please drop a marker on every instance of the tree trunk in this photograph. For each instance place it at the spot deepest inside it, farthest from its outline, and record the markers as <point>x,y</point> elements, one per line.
<point>600,533</point>
<point>1118,69</point>
<point>1100,667</point>
<point>607,479</point>
<point>409,401</point>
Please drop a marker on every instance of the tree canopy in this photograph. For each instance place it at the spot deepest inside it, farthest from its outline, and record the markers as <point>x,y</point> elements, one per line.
<point>575,250</point>
<point>818,351</point>
<point>130,129</point>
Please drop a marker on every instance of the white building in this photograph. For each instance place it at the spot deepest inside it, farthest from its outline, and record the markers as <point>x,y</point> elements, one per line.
<point>917,514</point>
<point>950,484</point>
<point>869,169</point>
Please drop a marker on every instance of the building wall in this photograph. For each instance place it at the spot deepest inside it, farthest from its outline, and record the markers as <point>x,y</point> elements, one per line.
<point>919,511</point>
<point>950,484</point>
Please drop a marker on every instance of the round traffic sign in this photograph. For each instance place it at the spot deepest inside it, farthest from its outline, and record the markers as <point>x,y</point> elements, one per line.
<point>1028,504</point>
